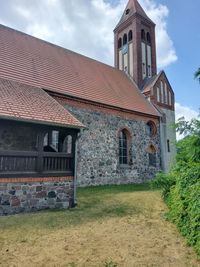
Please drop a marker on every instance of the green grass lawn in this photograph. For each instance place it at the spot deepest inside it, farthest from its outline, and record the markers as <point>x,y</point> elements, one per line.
<point>93,203</point>
<point>112,226</point>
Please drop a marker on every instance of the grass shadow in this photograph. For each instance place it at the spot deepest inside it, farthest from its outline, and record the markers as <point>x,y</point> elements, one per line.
<point>95,203</point>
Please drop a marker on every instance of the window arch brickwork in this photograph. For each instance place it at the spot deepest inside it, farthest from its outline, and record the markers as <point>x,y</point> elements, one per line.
<point>151,128</point>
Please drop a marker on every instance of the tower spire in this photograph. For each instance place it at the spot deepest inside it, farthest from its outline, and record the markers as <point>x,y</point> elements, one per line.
<point>135,51</point>
<point>132,8</point>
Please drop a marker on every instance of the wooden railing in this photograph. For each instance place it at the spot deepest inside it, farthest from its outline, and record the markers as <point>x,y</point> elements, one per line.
<point>57,162</point>
<point>15,163</point>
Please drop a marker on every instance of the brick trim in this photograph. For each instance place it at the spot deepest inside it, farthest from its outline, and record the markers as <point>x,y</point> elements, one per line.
<point>125,114</point>
<point>152,148</point>
<point>36,179</point>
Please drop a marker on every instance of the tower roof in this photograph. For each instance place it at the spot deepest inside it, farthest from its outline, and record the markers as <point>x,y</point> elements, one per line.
<point>133,8</point>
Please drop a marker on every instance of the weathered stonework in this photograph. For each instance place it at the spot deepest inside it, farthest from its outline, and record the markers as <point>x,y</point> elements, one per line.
<point>27,197</point>
<point>98,150</point>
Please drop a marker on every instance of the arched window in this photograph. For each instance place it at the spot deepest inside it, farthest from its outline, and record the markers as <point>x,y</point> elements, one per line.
<point>166,95</point>
<point>67,144</point>
<point>124,138</point>
<point>170,98</point>
<point>152,156</point>
<point>162,91</point>
<point>148,37</point>
<point>51,141</point>
<point>143,35</point>
<point>130,36</point>
<point>151,128</point>
<point>125,39</point>
<point>158,94</point>
<point>120,42</point>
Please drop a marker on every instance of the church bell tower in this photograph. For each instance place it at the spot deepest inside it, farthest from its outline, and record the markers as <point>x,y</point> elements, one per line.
<point>135,48</point>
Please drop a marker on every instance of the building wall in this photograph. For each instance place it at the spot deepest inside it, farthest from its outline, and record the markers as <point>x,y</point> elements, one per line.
<point>165,99</point>
<point>16,197</point>
<point>168,132</point>
<point>98,149</point>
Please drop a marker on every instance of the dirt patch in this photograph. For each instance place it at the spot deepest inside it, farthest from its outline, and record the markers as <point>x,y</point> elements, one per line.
<point>133,240</point>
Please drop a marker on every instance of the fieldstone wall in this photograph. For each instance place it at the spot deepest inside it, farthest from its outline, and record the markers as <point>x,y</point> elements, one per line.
<point>98,149</point>
<point>27,197</point>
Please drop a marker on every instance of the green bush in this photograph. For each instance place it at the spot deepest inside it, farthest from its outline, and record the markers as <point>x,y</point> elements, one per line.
<point>163,181</point>
<point>183,200</point>
<point>181,192</point>
<point>181,187</point>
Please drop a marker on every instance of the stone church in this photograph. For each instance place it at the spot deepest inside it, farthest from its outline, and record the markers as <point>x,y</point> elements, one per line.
<point>68,120</point>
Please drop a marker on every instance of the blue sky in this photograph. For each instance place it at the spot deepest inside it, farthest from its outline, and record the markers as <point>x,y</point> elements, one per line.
<point>86,26</point>
<point>183,27</point>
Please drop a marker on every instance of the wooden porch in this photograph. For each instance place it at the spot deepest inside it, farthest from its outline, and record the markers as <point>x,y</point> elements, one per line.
<point>32,150</point>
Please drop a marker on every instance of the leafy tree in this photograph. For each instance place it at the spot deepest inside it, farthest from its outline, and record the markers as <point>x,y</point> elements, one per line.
<point>197,74</point>
<point>189,147</point>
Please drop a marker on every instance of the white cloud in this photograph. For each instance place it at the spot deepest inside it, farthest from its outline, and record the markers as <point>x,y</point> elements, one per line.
<point>84,26</point>
<point>184,111</point>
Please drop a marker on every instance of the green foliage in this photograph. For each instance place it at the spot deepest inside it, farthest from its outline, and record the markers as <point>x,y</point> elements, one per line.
<point>163,181</point>
<point>181,187</point>
<point>184,203</point>
<point>110,263</point>
<point>189,147</point>
<point>183,150</point>
<point>197,74</point>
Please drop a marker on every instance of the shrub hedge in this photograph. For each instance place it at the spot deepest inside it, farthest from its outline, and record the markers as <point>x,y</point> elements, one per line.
<point>181,191</point>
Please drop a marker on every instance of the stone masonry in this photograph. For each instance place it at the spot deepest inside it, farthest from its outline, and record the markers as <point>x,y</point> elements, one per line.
<point>98,149</point>
<point>27,197</point>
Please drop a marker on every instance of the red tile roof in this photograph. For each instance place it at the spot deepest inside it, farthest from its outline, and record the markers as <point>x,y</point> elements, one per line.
<point>28,103</point>
<point>149,83</point>
<point>35,62</point>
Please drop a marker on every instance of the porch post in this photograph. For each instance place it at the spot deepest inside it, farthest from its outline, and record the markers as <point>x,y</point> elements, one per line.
<point>40,151</point>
